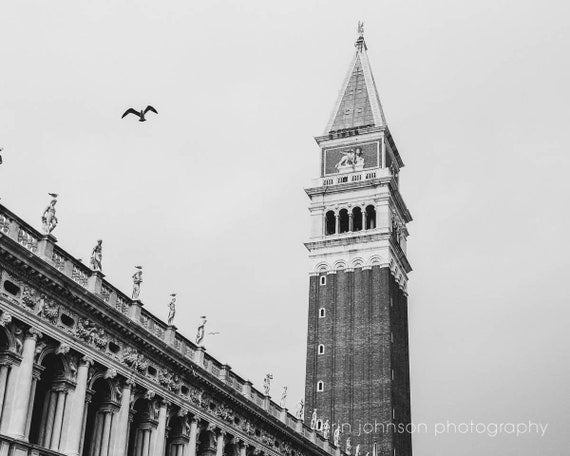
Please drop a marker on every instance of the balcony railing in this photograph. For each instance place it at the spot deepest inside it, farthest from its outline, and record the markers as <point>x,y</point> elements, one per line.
<point>347,178</point>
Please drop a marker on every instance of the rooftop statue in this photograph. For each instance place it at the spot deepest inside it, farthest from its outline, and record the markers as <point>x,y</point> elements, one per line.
<point>267,384</point>
<point>300,409</point>
<point>283,397</point>
<point>49,220</point>
<point>314,419</point>
<point>171,309</point>
<point>200,333</point>
<point>336,436</point>
<point>137,280</point>
<point>326,429</point>
<point>97,256</point>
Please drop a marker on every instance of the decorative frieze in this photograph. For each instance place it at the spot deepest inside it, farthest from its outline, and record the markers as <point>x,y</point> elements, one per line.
<point>4,224</point>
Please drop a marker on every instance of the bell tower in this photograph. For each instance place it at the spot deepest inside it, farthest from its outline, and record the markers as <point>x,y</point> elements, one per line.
<point>357,372</point>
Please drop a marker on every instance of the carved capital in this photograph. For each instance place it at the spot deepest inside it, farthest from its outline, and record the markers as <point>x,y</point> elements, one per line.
<point>34,334</point>
<point>5,319</point>
<point>62,349</point>
<point>149,395</point>
<point>86,361</point>
<point>110,373</point>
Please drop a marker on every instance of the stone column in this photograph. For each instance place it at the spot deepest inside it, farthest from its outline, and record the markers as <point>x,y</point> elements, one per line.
<point>107,418</point>
<point>337,224</point>
<point>160,438</point>
<point>383,153</point>
<point>220,442</point>
<point>61,393</point>
<point>190,449</point>
<point>35,377</point>
<point>4,369</point>
<point>76,409</point>
<point>18,390</point>
<point>120,429</point>
<point>363,218</point>
<point>350,222</point>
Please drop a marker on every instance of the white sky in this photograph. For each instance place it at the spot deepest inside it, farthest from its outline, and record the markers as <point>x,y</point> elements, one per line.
<point>208,195</point>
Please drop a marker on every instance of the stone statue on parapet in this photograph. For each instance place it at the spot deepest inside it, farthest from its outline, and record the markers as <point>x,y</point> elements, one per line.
<point>357,450</point>
<point>314,419</point>
<point>283,397</point>
<point>200,333</point>
<point>336,436</point>
<point>326,429</point>
<point>171,309</point>
<point>360,28</point>
<point>97,256</point>
<point>348,449</point>
<point>49,220</point>
<point>137,280</point>
<point>267,384</point>
<point>300,410</point>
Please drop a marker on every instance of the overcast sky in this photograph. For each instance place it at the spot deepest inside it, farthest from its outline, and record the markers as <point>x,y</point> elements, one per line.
<point>208,195</point>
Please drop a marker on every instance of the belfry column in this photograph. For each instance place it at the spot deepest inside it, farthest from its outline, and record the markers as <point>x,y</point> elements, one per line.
<point>120,429</point>
<point>76,409</point>
<point>18,390</point>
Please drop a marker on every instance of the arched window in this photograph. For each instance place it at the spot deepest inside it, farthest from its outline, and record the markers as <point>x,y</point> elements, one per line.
<point>319,426</point>
<point>356,219</point>
<point>320,386</point>
<point>343,215</point>
<point>323,280</point>
<point>321,349</point>
<point>322,312</point>
<point>330,221</point>
<point>370,217</point>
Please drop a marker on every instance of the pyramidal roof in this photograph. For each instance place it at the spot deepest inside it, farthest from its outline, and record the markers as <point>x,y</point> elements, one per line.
<point>358,103</point>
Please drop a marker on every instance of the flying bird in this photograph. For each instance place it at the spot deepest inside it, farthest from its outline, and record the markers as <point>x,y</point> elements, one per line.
<point>1,149</point>
<point>53,195</point>
<point>141,113</point>
<point>214,333</point>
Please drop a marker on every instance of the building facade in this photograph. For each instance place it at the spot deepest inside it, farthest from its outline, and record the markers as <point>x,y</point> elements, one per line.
<point>357,372</point>
<point>85,370</point>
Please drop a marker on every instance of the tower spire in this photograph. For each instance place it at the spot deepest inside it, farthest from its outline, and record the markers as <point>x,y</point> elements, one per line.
<point>358,104</point>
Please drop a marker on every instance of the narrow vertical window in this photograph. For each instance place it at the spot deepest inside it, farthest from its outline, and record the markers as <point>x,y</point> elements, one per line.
<point>322,312</point>
<point>320,386</point>
<point>321,350</point>
<point>323,280</point>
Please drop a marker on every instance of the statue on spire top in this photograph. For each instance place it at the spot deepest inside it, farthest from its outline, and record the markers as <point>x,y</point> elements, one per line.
<point>360,29</point>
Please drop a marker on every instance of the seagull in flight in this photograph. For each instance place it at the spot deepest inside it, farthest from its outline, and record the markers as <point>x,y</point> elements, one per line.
<point>140,114</point>
<point>1,149</point>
